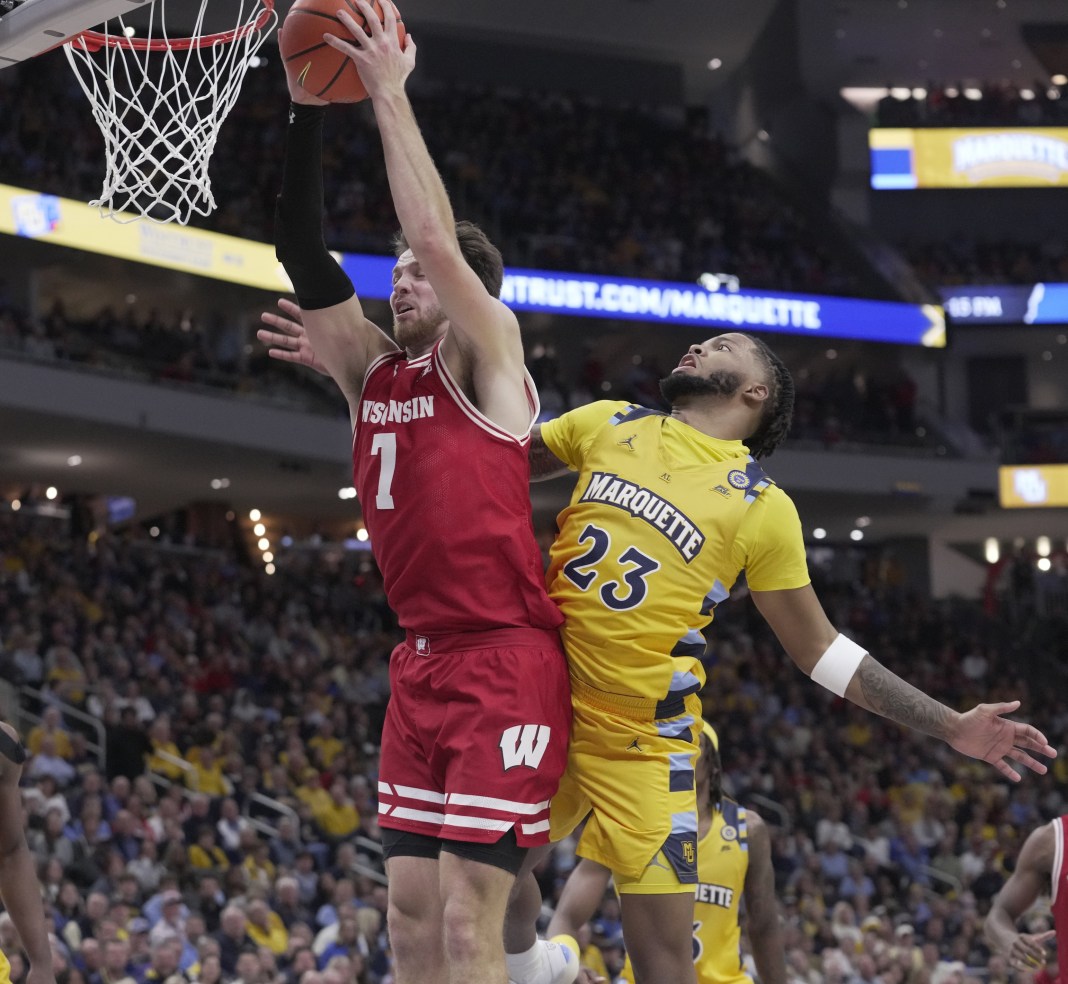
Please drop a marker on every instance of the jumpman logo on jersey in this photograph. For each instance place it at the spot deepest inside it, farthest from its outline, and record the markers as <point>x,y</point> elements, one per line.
<point>634,744</point>
<point>628,442</point>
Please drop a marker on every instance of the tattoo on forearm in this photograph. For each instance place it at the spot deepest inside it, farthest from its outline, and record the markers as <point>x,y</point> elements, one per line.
<point>543,463</point>
<point>892,697</point>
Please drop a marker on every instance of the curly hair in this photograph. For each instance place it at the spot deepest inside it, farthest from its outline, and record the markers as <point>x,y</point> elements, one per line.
<point>778,408</point>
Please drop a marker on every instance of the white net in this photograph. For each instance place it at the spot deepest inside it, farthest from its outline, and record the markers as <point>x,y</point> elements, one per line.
<point>159,102</point>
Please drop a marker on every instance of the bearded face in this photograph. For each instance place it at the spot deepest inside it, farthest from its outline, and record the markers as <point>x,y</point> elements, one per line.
<point>683,385</point>
<point>416,334</point>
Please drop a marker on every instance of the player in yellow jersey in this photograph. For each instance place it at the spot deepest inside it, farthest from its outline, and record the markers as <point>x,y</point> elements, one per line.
<point>19,888</point>
<point>733,857</point>
<point>667,511</point>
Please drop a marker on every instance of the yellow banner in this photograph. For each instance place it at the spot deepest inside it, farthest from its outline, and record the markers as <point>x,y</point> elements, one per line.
<point>1033,486</point>
<point>48,218</point>
<point>971,158</point>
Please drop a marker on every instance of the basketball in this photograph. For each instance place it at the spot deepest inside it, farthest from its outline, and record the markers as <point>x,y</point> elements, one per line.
<point>324,71</point>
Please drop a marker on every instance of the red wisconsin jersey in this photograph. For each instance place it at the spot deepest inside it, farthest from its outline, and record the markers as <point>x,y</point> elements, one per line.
<point>1059,892</point>
<point>446,499</point>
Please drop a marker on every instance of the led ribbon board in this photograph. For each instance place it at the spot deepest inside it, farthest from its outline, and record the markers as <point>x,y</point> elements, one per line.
<point>48,218</point>
<point>669,303</point>
<point>1000,304</point>
<point>1033,486</point>
<point>1017,157</point>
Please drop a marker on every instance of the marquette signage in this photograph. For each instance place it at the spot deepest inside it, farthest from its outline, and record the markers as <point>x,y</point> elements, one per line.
<point>1020,157</point>
<point>715,307</point>
<point>670,303</point>
<point>1033,486</point>
<point>998,304</point>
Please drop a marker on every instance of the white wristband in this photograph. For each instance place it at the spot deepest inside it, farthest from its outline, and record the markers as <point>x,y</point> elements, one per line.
<point>835,668</point>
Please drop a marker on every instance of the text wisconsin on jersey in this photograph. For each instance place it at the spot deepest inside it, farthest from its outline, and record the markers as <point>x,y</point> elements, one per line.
<point>641,503</point>
<point>398,411</point>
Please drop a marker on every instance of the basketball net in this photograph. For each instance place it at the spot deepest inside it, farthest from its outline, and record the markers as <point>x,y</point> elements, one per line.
<point>159,102</point>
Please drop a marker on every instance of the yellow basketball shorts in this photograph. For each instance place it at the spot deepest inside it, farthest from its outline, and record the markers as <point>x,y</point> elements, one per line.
<point>5,970</point>
<point>634,778</point>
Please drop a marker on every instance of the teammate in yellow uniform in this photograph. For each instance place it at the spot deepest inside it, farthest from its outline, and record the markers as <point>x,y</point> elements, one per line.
<point>667,511</point>
<point>19,887</point>
<point>733,857</point>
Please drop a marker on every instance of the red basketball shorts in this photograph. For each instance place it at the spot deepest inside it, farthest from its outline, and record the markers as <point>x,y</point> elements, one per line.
<point>475,737</point>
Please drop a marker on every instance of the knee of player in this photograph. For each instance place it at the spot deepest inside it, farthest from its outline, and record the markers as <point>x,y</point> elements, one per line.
<point>464,929</point>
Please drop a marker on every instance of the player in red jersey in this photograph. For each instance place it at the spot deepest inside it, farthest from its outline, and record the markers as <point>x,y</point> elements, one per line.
<point>475,738</point>
<point>1041,869</point>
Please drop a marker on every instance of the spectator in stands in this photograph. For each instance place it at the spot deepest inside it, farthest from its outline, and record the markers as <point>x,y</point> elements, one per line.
<point>128,745</point>
<point>232,937</point>
<point>51,726</point>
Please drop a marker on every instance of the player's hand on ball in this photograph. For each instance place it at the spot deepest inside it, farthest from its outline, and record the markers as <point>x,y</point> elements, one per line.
<point>377,53</point>
<point>289,341</point>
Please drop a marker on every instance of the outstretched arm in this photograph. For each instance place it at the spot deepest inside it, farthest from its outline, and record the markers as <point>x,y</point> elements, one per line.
<point>483,343</point>
<point>798,620</point>
<point>1031,879</point>
<point>19,886</point>
<point>765,933</point>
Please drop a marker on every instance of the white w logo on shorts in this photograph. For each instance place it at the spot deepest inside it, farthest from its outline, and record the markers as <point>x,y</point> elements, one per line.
<point>524,744</point>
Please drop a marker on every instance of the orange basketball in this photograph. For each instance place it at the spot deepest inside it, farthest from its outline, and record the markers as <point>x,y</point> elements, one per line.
<point>324,71</point>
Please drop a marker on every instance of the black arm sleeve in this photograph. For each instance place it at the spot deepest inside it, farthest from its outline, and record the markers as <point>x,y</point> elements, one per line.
<point>298,217</point>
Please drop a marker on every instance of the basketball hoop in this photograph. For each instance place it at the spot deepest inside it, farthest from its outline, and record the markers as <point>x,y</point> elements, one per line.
<point>159,102</point>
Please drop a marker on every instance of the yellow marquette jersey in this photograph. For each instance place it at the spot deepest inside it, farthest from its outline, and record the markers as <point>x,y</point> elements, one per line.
<point>662,520</point>
<point>5,969</point>
<point>722,863</point>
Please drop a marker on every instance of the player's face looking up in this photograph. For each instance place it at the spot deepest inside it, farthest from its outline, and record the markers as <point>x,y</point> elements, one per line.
<point>417,315</point>
<point>722,366</point>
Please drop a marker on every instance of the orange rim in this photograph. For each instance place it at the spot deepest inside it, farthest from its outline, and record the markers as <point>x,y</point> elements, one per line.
<point>94,40</point>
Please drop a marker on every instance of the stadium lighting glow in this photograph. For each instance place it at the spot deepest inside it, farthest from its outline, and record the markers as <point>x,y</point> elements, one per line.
<point>51,492</point>
<point>74,460</point>
<point>973,94</point>
<point>270,568</point>
<point>991,550</point>
<point>259,529</point>
<point>268,557</point>
<point>863,522</point>
<point>254,515</point>
<point>154,531</point>
<point>16,505</point>
<point>714,64</point>
<point>346,493</point>
<point>856,536</point>
<point>819,533</point>
<point>1042,546</point>
<point>264,544</point>
<point>1059,79</point>
<point>1043,564</point>
<point>362,535</point>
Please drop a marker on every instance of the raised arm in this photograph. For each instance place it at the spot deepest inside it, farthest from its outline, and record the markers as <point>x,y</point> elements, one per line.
<point>483,344</point>
<point>343,340</point>
<point>798,620</point>
<point>765,933</point>
<point>19,887</point>
<point>1031,879</point>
